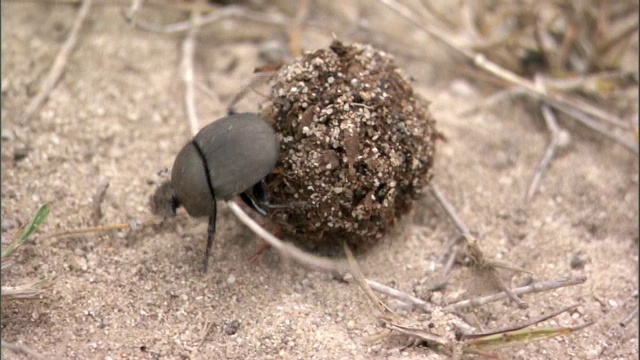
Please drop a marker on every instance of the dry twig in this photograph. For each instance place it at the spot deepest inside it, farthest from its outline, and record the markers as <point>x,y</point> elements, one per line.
<point>559,139</point>
<point>629,317</point>
<point>474,252</point>
<point>448,208</point>
<point>205,331</point>
<point>402,296</point>
<point>533,288</point>
<point>56,71</point>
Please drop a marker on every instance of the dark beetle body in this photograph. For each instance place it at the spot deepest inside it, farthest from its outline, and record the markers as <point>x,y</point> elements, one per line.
<point>226,158</point>
<point>237,150</point>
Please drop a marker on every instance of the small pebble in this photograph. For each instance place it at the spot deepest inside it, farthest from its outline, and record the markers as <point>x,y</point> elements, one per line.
<point>577,260</point>
<point>231,327</point>
<point>7,134</point>
<point>231,279</point>
<point>21,154</point>
<point>351,324</point>
<point>462,87</point>
<point>7,224</point>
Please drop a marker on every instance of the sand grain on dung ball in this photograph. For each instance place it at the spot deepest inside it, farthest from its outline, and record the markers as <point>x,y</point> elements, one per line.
<point>356,144</point>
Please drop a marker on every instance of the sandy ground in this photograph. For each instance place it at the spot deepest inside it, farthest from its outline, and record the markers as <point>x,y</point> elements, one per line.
<point>118,114</point>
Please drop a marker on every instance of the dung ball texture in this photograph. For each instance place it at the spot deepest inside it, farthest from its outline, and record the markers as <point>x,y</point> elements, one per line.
<point>356,145</point>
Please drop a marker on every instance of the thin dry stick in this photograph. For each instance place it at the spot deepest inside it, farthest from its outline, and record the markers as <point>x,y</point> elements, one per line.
<point>226,12</point>
<point>402,296</point>
<point>504,287</point>
<point>460,225</point>
<point>580,111</point>
<point>56,71</point>
<point>630,316</point>
<point>441,281</point>
<point>533,288</point>
<point>559,138</point>
<point>22,349</point>
<point>205,331</point>
<point>477,252</point>
<point>186,70</point>
<point>480,262</point>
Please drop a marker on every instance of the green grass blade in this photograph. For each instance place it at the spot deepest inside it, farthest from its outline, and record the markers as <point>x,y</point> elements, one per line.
<point>518,337</point>
<point>37,220</point>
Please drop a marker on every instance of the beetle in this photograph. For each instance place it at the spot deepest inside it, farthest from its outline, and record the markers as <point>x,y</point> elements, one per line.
<point>229,157</point>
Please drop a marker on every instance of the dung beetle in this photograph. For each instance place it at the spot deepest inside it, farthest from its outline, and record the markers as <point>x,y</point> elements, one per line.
<point>228,157</point>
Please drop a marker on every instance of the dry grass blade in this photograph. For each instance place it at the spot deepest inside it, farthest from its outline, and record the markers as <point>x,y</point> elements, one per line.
<point>377,304</point>
<point>520,326</point>
<point>518,337</point>
<point>54,75</point>
<point>416,332</point>
<point>6,263</point>
<point>24,292</point>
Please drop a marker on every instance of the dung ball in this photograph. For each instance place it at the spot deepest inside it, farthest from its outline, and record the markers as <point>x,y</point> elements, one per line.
<point>356,145</point>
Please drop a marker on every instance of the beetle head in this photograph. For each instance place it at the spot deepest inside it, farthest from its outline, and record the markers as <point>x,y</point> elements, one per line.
<point>163,202</point>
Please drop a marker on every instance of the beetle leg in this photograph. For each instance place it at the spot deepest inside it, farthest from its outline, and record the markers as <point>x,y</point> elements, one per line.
<point>259,200</point>
<point>252,203</point>
<point>211,231</point>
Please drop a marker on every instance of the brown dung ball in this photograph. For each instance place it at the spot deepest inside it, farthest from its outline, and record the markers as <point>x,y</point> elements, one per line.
<point>356,145</point>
